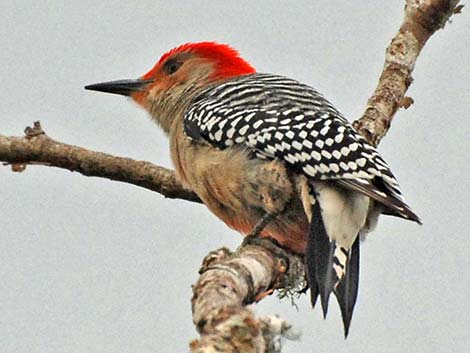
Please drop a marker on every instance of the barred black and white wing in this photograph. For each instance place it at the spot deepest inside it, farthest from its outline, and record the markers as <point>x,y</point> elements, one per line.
<point>277,117</point>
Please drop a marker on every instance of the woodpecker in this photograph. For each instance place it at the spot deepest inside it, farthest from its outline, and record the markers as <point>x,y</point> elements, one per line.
<point>272,157</point>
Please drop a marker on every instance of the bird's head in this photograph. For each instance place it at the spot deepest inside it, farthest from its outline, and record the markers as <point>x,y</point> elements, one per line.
<point>177,77</point>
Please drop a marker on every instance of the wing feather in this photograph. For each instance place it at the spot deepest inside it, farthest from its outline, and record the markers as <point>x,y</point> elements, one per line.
<point>280,118</point>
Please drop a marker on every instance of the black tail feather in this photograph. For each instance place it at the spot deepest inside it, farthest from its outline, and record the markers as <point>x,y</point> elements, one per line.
<point>311,271</point>
<point>326,275</point>
<point>319,259</point>
<point>346,291</point>
<point>322,277</point>
<point>313,289</point>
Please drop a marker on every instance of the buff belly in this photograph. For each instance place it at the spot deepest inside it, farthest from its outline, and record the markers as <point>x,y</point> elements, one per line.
<point>240,190</point>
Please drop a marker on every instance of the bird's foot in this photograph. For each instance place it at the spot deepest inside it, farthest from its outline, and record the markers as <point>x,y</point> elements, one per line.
<point>263,295</point>
<point>262,223</point>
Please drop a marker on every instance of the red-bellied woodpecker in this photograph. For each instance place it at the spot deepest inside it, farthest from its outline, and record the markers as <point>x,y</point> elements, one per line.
<point>270,156</point>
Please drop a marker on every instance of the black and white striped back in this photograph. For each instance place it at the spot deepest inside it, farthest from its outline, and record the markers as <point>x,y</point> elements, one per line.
<point>277,117</point>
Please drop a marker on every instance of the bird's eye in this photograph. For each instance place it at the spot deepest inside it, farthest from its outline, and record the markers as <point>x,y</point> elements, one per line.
<point>171,66</point>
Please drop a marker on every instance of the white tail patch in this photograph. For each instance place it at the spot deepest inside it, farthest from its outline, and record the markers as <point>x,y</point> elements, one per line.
<point>306,195</point>
<point>344,212</point>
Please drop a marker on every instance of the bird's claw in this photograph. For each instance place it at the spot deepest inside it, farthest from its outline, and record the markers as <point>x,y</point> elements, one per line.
<point>262,223</point>
<point>263,295</point>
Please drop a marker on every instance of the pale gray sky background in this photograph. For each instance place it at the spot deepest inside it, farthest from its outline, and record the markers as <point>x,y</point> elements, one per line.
<point>90,265</point>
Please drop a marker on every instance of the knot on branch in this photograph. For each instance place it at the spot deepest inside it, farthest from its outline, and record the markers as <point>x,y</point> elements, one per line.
<point>34,131</point>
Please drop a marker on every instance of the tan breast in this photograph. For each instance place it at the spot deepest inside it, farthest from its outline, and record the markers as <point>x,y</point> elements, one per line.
<point>240,190</point>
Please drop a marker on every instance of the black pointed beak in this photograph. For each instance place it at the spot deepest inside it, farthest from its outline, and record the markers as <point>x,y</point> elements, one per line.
<point>122,87</point>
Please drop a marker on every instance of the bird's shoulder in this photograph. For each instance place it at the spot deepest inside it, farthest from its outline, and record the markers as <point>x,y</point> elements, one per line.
<point>253,102</point>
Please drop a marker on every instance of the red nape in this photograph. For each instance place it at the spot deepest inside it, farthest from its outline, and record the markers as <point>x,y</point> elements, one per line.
<point>228,62</point>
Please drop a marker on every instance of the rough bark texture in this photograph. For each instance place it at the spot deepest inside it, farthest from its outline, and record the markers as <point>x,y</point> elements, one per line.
<point>422,19</point>
<point>229,282</point>
<point>37,148</point>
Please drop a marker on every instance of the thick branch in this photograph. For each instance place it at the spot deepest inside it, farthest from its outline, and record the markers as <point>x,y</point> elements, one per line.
<point>229,282</point>
<point>422,19</point>
<point>37,148</point>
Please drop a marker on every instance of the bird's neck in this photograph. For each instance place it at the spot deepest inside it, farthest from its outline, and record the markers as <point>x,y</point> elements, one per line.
<point>170,107</point>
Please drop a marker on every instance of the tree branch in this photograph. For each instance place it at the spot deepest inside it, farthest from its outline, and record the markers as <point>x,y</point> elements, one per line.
<point>422,19</point>
<point>229,282</point>
<point>37,148</point>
